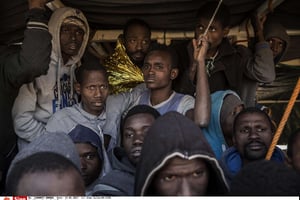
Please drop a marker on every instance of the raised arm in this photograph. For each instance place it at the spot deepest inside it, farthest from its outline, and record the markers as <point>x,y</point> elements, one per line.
<point>33,59</point>
<point>261,67</point>
<point>202,102</point>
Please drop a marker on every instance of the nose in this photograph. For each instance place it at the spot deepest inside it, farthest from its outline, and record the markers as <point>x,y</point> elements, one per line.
<point>184,188</point>
<point>73,35</point>
<point>98,92</point>
<point>139,45</point>
<point>253,134</point>
<point>138,139</point>
<point>83,164</point>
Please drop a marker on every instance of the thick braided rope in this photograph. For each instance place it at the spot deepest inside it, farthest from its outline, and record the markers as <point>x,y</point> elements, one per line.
<point>284,119</point>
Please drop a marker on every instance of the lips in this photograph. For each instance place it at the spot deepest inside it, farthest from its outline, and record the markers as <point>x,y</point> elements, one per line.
<point>150,80</point>
<point>136,151</point>
<point>255,146</point>
<point>138,56</point>
<point>73,46</point>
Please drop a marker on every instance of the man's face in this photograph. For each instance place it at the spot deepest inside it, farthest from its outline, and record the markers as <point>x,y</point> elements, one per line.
<point>137,42</point>
<point>182,177</point>
<point>215,33</point>
<point>71,37</point>
<point>276,45</point>
<point>91,165</point>
<point>296,153</point>
<point>253,136</point>
<point>157,70</point>
<point>134,130</point>
<point>94,91</point>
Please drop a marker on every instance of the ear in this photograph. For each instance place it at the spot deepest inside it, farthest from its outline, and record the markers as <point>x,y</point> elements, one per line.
<point>77,88</point>
<point>174,73</point>
<point>226,31</point>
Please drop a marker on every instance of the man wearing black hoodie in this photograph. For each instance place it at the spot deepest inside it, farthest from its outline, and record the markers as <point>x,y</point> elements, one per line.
<point>18,66</point>
<point>134,128</point>
<point>176,155</point>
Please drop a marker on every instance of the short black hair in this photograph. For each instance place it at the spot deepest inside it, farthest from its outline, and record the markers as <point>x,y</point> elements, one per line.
<point>266,177</point>
<point>252,110</point>
<point>135,21</point>
<point>291,141</point>
<point>169,50</point>
<point>89,65</point>
<point>142,108</point>
<point>38,162</point>
<point>223,15</point>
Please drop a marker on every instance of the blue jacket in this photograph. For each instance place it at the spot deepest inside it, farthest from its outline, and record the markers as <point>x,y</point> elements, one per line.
<point>231,162</point>
<point>213,132</point>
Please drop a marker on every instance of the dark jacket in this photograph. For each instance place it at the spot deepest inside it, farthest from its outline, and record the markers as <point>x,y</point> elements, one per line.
<point>119,181</point>
<point>19,66</point>
<point>271,29</point>
<point>231,162</point>
<point>234,67</point>
<point>174,135</point>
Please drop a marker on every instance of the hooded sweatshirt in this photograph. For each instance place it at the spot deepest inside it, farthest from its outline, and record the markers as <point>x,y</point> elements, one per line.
<point>213,132</point>
<point>271,29</point>
<point>231,162</point>
<point>174,135</point>
<point>38,100</point>
<point>123,171</point>
<point>83,134</point>
<point>18,67</point>
<point>276,30</point>
<point>59,143</point>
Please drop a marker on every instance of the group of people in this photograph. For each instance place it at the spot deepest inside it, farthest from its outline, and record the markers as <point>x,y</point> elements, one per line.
<point>149,119</point>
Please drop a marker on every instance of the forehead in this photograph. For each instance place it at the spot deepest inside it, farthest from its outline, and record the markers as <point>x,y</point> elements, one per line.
<point>94,75</point>
<point>137,30</point>
<point>204,22</point>
<point>70,26</point>
<point>84,146</point>
<point>140,117</point>
<point>252,117</point>
<point>276,39</point>
<point>158,55</point>
<point>178,165</point>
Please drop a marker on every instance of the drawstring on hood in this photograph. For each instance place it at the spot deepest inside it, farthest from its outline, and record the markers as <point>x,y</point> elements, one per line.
<point>174,135</point>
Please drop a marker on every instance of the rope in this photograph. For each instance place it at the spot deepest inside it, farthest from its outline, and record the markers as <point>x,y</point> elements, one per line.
<point>284,119</point>
<point>212,19</point>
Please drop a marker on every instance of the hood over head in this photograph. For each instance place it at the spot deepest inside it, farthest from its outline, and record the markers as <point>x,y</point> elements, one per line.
<point>174,135</point>
<point>82,134</point>
<point>67,15</point>
<point>275,29</point>
<point>55,142</point>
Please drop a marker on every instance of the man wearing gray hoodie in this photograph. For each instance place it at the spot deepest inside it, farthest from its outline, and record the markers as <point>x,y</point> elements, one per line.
<point>38,100</point>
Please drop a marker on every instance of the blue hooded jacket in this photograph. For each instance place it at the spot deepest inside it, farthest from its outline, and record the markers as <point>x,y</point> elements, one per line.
<point>213,132</point>
<point>231,162</point>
